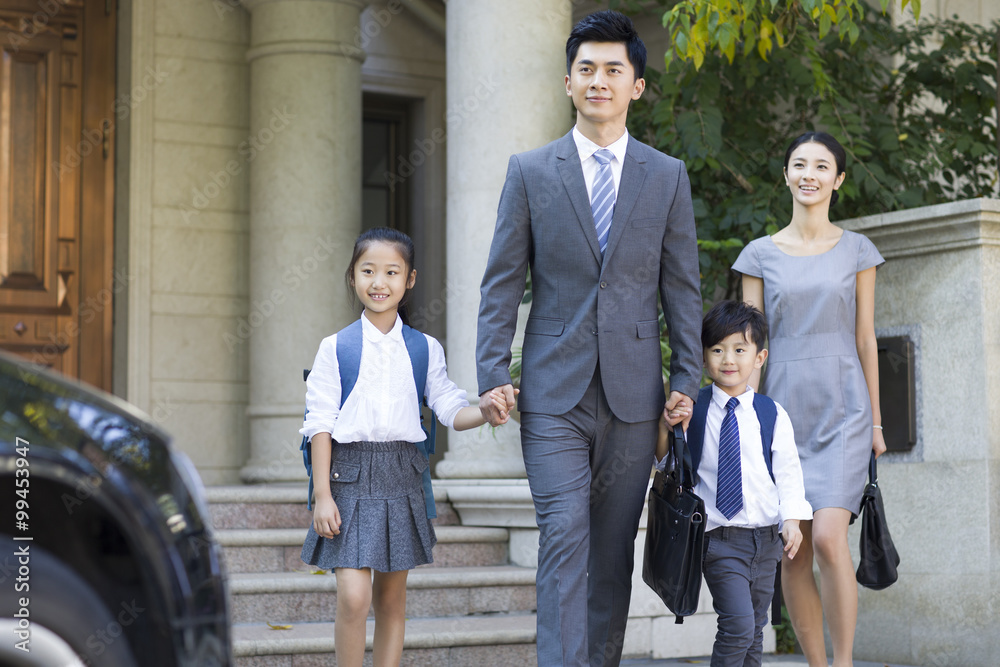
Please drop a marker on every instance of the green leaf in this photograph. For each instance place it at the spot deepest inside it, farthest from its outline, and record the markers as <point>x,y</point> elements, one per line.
<point>853,32</point>
<point>681,42</point>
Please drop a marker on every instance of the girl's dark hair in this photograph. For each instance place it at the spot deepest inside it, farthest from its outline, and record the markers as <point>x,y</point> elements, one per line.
<point>729,317</point>
<point>839,154</point>
<point>394,237</point>
<point>607,26</point>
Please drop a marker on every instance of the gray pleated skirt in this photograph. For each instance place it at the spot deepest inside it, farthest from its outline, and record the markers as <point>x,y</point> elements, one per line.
<point>378,488</point>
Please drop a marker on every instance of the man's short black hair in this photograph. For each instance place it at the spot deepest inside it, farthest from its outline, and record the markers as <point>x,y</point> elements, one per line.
<point>607,26</point>
<point>729,317</point>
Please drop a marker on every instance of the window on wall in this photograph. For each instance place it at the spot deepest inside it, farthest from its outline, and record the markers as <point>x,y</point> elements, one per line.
<point>385,191</point>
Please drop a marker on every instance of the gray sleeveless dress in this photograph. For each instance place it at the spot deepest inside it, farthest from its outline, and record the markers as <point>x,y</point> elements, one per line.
<point>813,369</point>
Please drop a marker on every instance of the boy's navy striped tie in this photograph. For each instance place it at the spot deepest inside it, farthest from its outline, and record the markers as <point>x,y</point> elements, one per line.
<point>729,495</point>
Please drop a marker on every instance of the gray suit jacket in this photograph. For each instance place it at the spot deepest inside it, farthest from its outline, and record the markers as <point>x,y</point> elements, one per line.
<point>584,310</point>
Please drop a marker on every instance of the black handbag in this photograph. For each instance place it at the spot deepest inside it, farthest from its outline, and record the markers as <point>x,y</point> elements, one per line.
<point>879,559</point>
<point>675,533</point>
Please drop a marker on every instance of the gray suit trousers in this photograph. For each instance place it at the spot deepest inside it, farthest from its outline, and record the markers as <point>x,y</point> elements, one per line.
<point>588,472</point>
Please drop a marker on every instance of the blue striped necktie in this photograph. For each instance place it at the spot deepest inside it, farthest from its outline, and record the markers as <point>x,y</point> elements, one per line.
<point>729,495</point>
<point>602,202</point>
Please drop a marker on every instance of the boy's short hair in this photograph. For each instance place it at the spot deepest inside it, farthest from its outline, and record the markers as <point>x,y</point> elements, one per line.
<point>729,317</point>
<point>607,26</point>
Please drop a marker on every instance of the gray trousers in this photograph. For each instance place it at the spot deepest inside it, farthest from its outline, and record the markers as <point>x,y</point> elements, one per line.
<point>588,473</point>
<point>739,569</point>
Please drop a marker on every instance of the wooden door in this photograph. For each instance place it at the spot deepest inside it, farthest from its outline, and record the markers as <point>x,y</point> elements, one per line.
<point>57,286</point>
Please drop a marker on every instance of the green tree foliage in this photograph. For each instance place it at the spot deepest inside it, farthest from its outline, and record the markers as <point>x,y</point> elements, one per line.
<point>700,27</point>
<point>915,107</point>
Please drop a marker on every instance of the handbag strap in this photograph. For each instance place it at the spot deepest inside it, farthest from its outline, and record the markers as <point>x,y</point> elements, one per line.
<point>872,471</point>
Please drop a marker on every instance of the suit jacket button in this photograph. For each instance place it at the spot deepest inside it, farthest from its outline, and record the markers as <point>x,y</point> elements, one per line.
<point>604,284</point>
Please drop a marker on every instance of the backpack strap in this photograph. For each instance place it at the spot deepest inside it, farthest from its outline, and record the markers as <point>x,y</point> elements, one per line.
<point>349,361</point>
<point>349,357</point>
<point>696,429</point>
<point>416,346</point>
<point>767,415</point>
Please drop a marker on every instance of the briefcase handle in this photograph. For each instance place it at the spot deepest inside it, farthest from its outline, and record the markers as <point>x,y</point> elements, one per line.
<point>682,458</point>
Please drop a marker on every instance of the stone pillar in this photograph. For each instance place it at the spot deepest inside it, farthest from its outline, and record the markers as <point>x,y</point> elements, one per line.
<point>506,63</point>
<point>305,207</point>
<point>940,286</point>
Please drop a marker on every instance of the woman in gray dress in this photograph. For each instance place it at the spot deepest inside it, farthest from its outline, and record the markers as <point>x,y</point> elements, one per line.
<point>816,284</point>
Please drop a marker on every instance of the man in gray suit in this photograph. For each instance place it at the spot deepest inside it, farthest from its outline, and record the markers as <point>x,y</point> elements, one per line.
<point>604,232</point>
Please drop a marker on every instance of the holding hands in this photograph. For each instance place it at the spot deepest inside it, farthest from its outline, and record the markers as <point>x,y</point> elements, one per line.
<point>496,404</point>
<point>678,409</point>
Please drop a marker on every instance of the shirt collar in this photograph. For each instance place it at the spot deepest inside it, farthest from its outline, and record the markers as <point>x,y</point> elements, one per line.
<point>587,148</point>
<point>372,333</point>
<point>721,397</point>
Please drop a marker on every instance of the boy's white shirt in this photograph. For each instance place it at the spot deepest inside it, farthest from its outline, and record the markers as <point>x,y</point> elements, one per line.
<point>382,405</point>
<point>765,502</point>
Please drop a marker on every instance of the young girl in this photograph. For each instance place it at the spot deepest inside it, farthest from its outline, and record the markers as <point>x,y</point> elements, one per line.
<point>370,513</point>
<point>816,284</point>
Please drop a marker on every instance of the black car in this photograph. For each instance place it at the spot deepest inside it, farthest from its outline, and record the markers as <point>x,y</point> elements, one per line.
<point>106,550</point>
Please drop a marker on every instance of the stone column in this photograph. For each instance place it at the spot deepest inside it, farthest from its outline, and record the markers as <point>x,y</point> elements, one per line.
<point>506,63</point>
<point>304,151</point>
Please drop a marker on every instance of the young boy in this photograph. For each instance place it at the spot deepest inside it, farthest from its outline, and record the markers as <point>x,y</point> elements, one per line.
<point>747,499</point>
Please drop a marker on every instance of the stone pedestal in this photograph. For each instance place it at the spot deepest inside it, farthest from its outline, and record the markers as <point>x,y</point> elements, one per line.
<point>305,207</point>
<point>506,63</point>
<point>941,286</point>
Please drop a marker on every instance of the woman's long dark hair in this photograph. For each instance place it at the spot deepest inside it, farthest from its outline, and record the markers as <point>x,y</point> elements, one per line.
<point>394,237</point>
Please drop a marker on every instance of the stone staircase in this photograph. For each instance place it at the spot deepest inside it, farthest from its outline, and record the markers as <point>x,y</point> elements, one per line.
<point>469,607</point>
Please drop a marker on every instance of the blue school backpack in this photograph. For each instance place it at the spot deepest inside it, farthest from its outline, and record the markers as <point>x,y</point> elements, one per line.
<point>349,359</point>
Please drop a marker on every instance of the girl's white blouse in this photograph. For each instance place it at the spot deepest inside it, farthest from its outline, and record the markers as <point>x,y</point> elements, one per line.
<point>383,404</point>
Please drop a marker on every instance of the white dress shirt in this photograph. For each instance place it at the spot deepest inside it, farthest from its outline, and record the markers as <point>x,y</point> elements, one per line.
<point>765,502</point>
<point>587,148</point>
<point>383,404</point>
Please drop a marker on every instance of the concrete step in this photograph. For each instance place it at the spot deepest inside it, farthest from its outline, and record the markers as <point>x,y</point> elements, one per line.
<point>280,549</point>
<point>287,597</point>
<point>260,506</point>
<point>490,640</point>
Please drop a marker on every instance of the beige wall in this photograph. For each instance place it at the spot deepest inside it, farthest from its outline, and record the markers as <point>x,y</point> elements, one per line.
<point>188,228</point>
<point>973,11</point>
